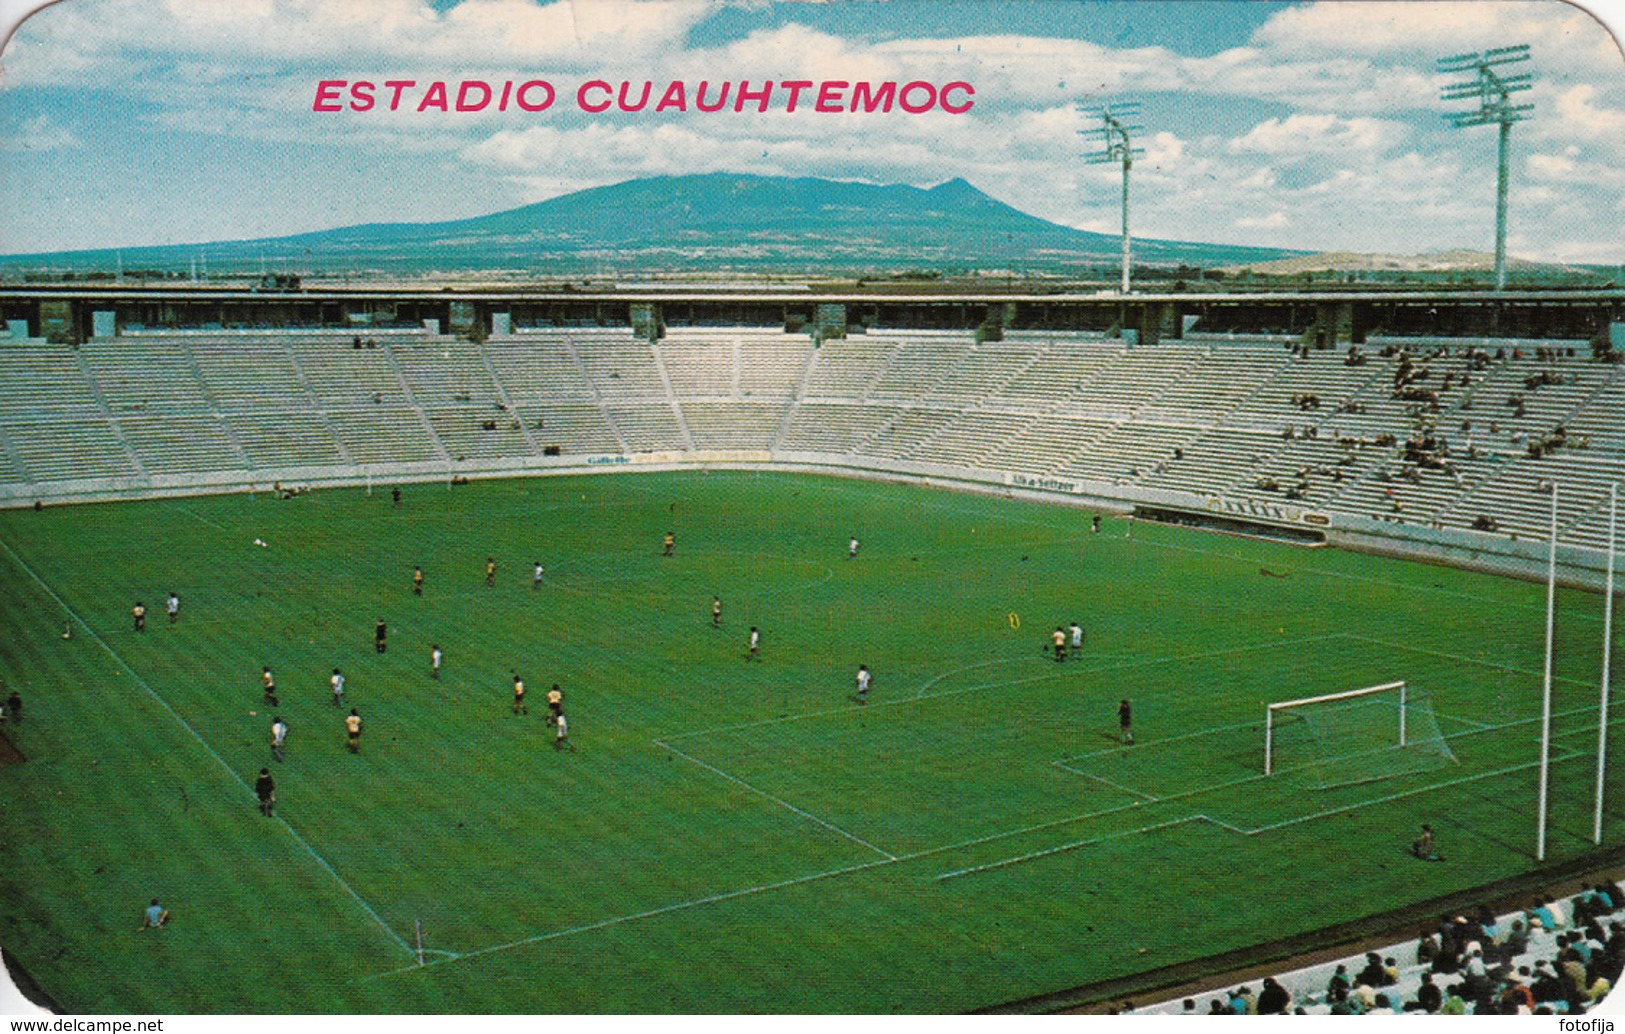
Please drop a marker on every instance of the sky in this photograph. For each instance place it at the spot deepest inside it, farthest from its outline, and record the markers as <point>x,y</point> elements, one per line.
<point>1301,125</point>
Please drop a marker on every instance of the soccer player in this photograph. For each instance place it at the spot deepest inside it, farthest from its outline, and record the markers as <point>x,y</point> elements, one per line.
<point>716,612</point>
<point>668,544</point>
<point>434,661</point>
<point>519,706</point>
<point>268,682</point>
<point>490,572</point>
<point>279,738</point>
<point>1423,848</point>
<point>1058,639</point>
<point>154,917</point>
<point>14,708</point>
<point>265,790</point>
<point>173,607</point>
<point>417,581</point>
<point>536,575</point>
<point>755,645</point>
<point>395,496</point>
<point>852,549</point>
<point>1094,524</point>
<point>863,680</point>
<point>563,739</point>
<point>1125,720</point>
<point>337,682</point>
<point>352,726</point>
<point>139,612</point>
<point>380,634</point>
<point>555,702</point>
<point>1077,637</point>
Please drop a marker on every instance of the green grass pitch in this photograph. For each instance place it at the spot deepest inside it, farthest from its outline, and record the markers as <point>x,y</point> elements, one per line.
<point>730,836</point>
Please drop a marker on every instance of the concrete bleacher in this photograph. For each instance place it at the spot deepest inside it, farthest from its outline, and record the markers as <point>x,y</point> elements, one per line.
<point>1212,416</point>
<point>1308,985</point>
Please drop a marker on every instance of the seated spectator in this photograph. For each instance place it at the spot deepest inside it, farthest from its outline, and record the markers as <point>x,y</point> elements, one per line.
<point>1337,988</point>
<point>1539,913</point>
<point>1453,1004</point>
<point>1373,974</point>
<point>1546,986</point>
<point>1428,999</point>
<point>1274,999</point>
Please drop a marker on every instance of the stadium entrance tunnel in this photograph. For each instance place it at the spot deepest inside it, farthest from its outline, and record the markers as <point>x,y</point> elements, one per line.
<point>1232,524</point>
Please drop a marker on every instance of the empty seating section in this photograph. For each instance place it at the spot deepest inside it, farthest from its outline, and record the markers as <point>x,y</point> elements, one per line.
<point>700,367</point>
<point>66,448</point>
<point>383,434</point>
<point>651,427</point>
<point>922,359</point>
<point>732,425</point>
<point>536,369</point>
<point>833,427</point>
<point>771,365</point>
<point>1048,443</point>
<point>1128,452</point>
<point>848,369</point>
<point>619,366</point>
<point>574,427</point>
<point>1213,416</point>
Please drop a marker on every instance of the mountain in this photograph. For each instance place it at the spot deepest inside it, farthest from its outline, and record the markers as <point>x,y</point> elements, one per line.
<point>712,222</point>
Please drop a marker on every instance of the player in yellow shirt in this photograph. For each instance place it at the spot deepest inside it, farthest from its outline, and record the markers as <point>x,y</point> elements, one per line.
<point>490,572</point>
<point>139,612</point>
<point>417,581</point>
<point>352,726</point>
<point>716,612</point>
<point>555,702</point>
<point>519,696</point>
<point>668,544</point>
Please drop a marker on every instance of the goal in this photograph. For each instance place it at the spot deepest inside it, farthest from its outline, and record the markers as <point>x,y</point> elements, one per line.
<point>1359,735</point>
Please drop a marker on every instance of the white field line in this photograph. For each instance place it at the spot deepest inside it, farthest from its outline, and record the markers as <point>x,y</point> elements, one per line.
<point>1002,863</point>
<point>1462,658</point>
<point>1049,676</point>
<point>776,800</point>
<point>1081,534</point>
<point>323,862</point>
<point>633,917</point>
<point>196,516</point>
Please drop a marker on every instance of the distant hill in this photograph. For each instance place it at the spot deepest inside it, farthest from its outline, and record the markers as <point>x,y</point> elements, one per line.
<point>711,222</point>
<point>1431,265</point>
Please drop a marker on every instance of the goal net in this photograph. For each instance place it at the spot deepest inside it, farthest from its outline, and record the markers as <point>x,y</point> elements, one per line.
<point>1357,736</point>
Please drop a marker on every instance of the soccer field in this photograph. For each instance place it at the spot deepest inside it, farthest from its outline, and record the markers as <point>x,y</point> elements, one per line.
<point>730,835</point>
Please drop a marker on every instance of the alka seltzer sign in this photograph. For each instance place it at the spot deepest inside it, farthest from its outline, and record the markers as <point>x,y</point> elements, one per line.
<point>1044,484</point>
<point>598,96</point>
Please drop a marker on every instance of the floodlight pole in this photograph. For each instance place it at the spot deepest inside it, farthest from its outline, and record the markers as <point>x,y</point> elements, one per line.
<point>1607,643</point>
<point>1493,92</point>
<point>1501,207</point>
<point>1128,163</point>
<point>1546,692</point>
<point>1118,147</point>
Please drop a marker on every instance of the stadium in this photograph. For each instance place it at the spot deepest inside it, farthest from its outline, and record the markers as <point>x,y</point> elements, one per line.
<point>932,637</point>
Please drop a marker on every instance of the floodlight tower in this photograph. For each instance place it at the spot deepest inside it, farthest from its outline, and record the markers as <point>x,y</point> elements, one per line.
<point>1113,134</point>
<point>1494,94</point>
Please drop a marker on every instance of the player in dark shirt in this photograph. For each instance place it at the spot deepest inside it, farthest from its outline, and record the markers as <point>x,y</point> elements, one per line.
<point>380,634</point>
<point>14,708</point>
<point>265,790</point>
<point>1125,719</point>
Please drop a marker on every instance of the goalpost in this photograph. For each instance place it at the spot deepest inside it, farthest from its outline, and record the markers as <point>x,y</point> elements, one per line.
<point>1358,735</point>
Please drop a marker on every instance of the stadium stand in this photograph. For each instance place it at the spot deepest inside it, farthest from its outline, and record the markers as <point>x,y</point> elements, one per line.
<point>1454,434</point>
<point>1554,958</point>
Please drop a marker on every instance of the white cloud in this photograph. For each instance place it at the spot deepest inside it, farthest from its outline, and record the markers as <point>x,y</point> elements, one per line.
<point>1273,221</point>
<point>39,134</point>
<point>1305,136</point>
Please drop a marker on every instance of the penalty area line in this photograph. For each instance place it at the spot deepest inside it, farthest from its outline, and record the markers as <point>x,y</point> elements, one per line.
<point>161,702</point>
<point>780,802</point>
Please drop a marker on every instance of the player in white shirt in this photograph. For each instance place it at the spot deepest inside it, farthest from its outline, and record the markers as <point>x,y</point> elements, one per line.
<point>337,682</point>
<point>434,662</point>
<point>279,738</point>
<point>536,576</point>
<point>1077,636</point>
<point>173,606</point>
<point>755,644</point>
<point>852,549</point>
<point>863,681</point>
<point>563,738</point>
